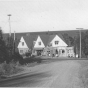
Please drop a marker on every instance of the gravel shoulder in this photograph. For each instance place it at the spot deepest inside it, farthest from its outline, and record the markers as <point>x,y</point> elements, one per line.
<point>61,74</point>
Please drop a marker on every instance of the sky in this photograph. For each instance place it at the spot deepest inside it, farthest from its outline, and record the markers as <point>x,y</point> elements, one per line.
<point>43,15</point>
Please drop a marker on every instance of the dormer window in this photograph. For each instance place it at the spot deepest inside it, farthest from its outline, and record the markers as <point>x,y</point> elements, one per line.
<point>21,51</point>
<point>39,43</point>
<point>22,43</point>
<point>56,42</point>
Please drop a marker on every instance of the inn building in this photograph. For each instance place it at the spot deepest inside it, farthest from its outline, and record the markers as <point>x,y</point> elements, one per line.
<point>52,45</point>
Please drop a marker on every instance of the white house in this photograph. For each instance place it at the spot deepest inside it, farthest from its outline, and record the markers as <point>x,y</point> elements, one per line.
<point>22,46</point>
<point>38,46</point>
<point>58,42</point>
<point>59,47</point>
<point>39,43</point>
<point>48,44</point>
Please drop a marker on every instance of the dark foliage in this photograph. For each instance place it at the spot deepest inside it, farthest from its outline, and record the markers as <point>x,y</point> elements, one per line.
<point>10,45</point>
<point>32,59</point>
<point>17,57</point>
<point>7,50</point>
<point>68,39</point>
<point>3,49</point>
<point>84,44</point>
<point>28,54</point>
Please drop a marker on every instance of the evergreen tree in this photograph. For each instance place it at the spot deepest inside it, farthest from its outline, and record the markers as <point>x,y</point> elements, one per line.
<point>10,45</point>
<point>69,40</point>
<point>3,48</point>
<point>85,43</point>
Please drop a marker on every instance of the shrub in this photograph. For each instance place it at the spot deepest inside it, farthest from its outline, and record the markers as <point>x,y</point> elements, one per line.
<point>28,54</point>
<point>8,69</point>
<point>17,58</point>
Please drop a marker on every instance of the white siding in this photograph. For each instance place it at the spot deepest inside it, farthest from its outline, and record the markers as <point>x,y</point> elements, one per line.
<point>70,51</point>
<point>23,50</point>
<point>20,43</point>
<point>37,43</point>
<point>61,42</point>
<point>60,51</point>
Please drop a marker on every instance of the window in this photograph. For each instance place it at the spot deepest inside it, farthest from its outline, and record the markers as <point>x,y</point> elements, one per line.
<point>56,42</point>
<point>39,43</point>
<point>68,51</point>
<point>21,51</point>
<point>22,43</point>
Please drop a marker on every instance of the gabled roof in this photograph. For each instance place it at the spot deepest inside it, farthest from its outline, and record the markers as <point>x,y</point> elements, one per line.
<point>29,40</point>
<point>51,37</point>
<point>45,38</point>
<point>61,37</point>
<point>41,38</point>
<point>32,39</point>
<point>26,39</point>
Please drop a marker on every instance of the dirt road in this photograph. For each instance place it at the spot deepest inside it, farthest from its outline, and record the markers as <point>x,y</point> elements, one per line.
<point>59,74</point>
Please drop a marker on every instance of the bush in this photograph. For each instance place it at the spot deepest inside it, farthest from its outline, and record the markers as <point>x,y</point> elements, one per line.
<point>32,59</point>
<point>28,54</point>
<point>8,69</point>
<point>17,58</point>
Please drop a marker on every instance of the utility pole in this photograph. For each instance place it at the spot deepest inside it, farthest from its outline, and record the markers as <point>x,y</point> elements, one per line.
<point>9,25</point>
<point>80,40</point>
<point>14,43</point>
<point>10,40</point>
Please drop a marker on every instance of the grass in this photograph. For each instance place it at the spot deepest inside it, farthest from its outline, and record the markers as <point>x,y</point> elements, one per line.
<point>9,69</point>
<point>14,68</point>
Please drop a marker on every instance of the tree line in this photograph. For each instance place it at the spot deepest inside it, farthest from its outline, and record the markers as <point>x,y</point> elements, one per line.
<point>7,50</point>
<point>7,47</point>
<point>75,42</point>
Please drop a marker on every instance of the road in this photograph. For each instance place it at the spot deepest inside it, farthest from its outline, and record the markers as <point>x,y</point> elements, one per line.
<point>57,74</point>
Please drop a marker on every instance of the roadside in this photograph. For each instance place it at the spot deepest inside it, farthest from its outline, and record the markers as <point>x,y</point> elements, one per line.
<point>22,70</point>
<point>56,74</point>
<point>27,69</point>
<point>83,73</point>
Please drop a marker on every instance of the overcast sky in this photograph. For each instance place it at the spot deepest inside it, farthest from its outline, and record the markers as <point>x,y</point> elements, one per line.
<point>43,15</point>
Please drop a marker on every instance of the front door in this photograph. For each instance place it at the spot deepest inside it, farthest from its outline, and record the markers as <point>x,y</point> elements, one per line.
<point>61,52</point>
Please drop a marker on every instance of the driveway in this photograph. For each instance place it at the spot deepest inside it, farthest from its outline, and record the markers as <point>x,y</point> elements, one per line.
<point>57,74</point>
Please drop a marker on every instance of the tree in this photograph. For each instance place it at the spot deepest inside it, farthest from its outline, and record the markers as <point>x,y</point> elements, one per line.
<point>3,48</point>
<point>84,44</point>
<point>13,55</point>
<point>10,45</point>
<point>69,40</point>
<point>72,41</point>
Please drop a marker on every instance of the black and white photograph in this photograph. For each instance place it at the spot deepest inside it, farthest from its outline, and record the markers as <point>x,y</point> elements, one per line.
<point>44,43</point>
